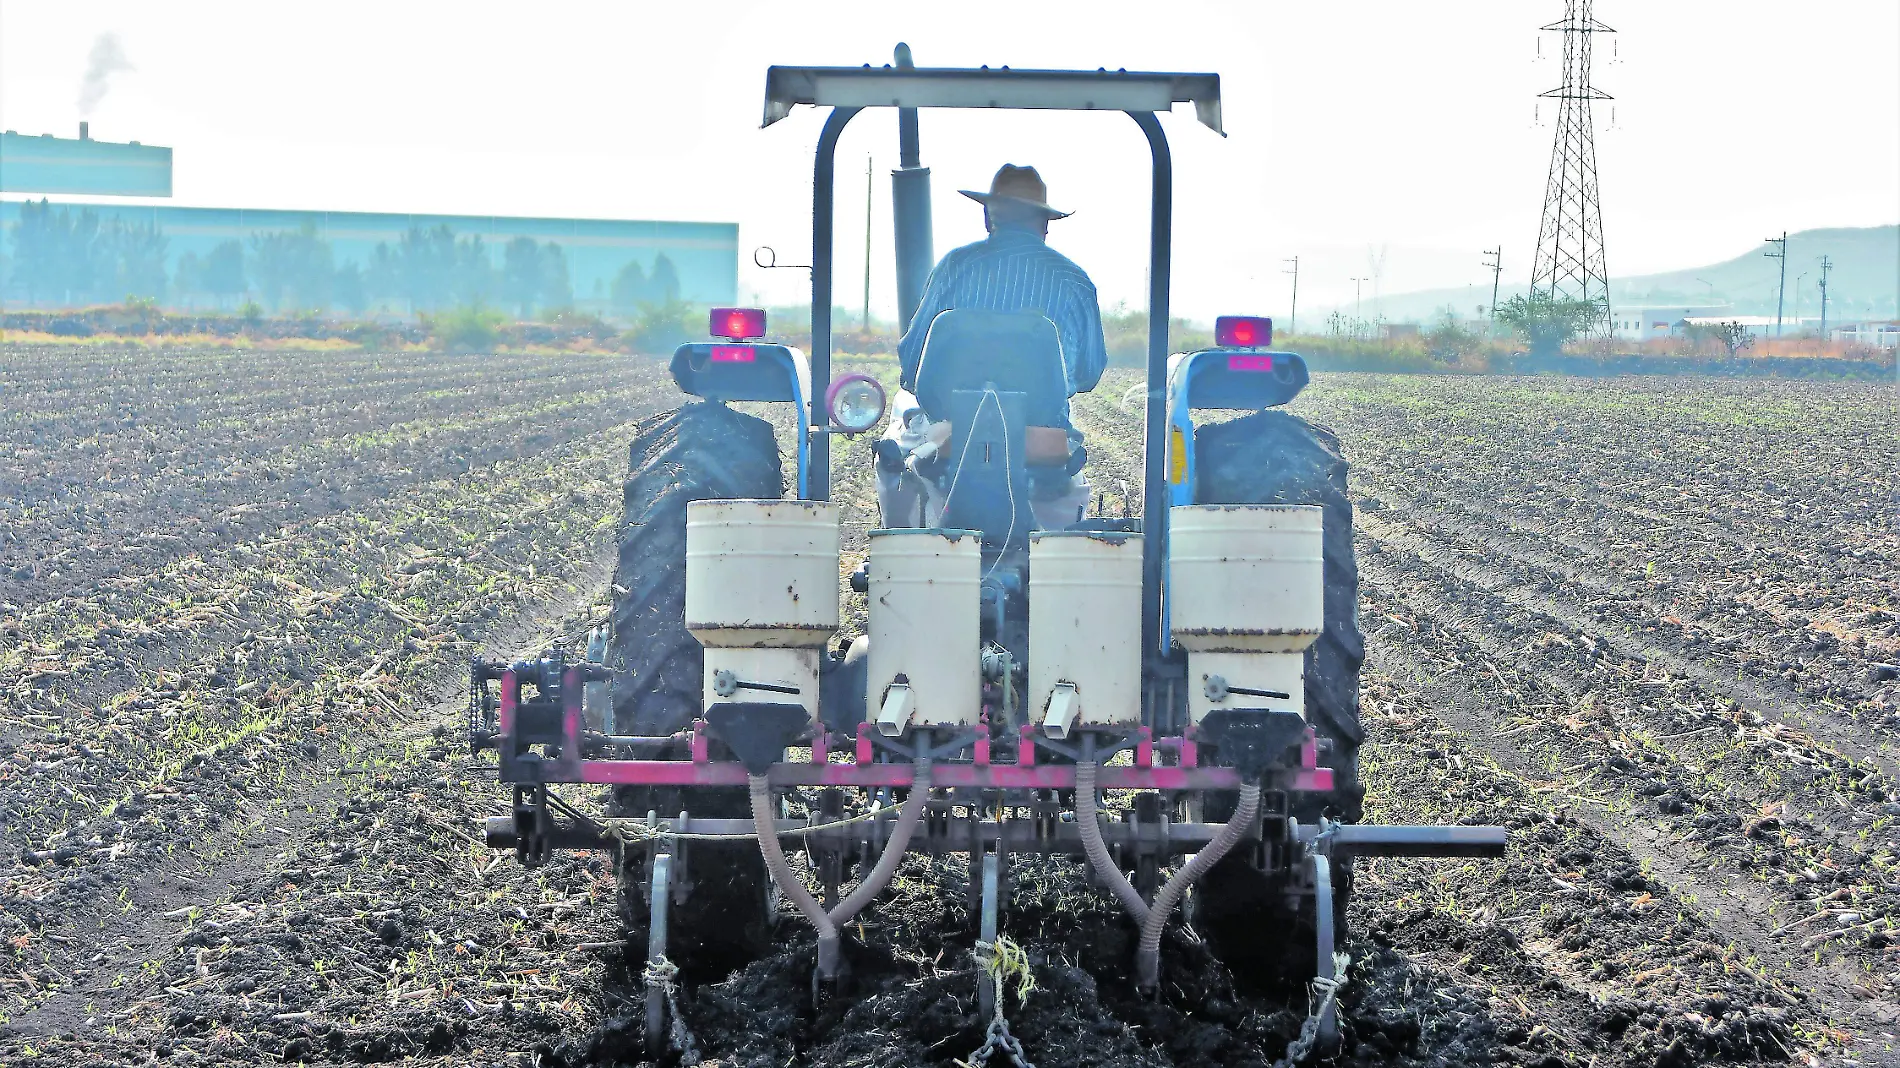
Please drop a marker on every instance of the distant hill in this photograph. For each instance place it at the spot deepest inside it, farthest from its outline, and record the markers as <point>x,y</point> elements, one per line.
<point>1865,283</point>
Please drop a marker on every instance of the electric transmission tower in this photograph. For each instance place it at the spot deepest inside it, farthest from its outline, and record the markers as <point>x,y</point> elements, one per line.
<point>1569,263</point>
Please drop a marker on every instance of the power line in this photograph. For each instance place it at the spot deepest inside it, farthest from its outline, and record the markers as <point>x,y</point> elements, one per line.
<point>1570,264</point>
<point>1780,253</point>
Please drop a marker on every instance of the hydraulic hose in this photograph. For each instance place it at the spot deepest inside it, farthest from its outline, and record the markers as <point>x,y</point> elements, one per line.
<point>909,815</point>
<point>1148,953</point>
<point>1097,850</point>
<point>827,924</point>
<point>766,827</point>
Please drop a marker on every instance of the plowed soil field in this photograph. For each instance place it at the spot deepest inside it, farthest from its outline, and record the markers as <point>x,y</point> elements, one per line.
<point>1650,625</point>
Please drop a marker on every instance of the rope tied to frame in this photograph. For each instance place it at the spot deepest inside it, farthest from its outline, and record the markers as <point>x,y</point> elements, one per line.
<point>662,975</point>
<point>1327,991</point>
<point>635,830</point>
<point>1328,830</point>
<point>1001,961</point>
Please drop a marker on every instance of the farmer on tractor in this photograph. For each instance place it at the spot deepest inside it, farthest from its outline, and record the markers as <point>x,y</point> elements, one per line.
<point>1013,271</point>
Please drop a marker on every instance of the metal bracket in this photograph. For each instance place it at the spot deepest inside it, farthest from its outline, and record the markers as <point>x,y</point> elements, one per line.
<point>1148,843</point>
<point>1091,748</point>
<point>534,827</point>
<point>923,749</point>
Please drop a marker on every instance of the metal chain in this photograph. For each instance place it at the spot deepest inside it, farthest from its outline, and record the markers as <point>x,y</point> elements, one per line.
<point>999,960</point>
<point>661,974</point>
<point>1328,989</point>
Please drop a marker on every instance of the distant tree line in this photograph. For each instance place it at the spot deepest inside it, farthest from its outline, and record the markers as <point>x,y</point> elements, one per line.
<point>635,290</point>
<point>69,256</point>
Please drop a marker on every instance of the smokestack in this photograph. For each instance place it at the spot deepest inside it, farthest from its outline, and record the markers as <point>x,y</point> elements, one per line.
<point>85,130</point>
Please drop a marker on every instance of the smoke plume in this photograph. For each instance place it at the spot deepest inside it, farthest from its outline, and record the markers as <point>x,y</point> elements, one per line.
<point>107,59</point>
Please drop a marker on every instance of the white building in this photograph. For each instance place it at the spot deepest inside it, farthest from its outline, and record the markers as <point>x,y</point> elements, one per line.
<point>1885,335</point>
<point>1646,322</point>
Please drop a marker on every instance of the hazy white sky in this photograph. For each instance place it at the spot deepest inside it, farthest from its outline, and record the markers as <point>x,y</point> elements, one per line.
<point>1355,127</point>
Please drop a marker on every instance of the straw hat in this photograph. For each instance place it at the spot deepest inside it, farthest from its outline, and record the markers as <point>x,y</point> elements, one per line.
<point>1020,186</point>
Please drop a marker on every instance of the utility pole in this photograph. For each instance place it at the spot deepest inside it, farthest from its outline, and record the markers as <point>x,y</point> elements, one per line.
<point>1358,318</point>
<point>1826,267</point>
<point>1293,317</point>
<point>1497,269</point>
<point>1780,253</point>
<point>867,244</point>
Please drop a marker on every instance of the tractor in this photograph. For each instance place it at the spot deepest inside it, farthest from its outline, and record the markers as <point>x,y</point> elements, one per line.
<point>1020,662</point>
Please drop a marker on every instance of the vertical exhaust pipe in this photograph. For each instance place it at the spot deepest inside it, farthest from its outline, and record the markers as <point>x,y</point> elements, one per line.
<point>910,210</point>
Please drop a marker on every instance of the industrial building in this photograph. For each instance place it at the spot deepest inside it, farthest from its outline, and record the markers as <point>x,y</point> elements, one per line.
<point>48,164</point>
<point>65,253</point>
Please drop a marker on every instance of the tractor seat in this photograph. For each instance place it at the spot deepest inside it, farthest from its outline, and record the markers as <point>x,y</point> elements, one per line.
<point>997,385</point>
<point>1017,352</point>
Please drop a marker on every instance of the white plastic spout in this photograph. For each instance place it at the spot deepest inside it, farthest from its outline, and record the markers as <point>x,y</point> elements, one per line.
<point>1065,707</point>
<point>899,705</point>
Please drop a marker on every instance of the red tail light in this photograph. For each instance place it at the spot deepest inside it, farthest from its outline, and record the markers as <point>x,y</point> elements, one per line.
<point>738,324</point>
<point>1243,332</point>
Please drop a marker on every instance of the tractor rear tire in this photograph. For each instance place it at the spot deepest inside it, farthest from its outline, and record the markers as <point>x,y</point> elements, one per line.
<point>1273,457</point>
<point>702,451</point>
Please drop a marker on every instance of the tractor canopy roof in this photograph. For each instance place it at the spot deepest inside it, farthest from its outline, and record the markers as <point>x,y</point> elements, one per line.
<point>986,87</point>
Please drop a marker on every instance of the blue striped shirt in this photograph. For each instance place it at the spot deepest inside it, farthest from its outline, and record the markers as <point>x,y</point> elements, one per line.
<point>1014,270</point>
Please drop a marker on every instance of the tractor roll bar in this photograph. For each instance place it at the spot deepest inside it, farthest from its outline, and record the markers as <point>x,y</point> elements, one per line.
<point>818,481</point>
<point>1155,497</point>
<point>850,89</point>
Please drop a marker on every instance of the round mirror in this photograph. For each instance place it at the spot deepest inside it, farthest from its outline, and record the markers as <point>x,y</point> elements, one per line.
<point>856,402</point>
